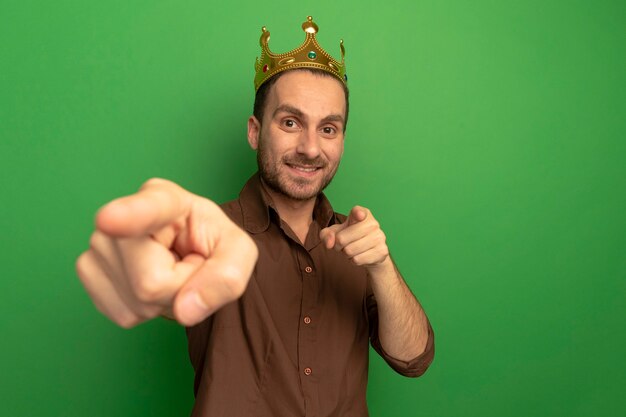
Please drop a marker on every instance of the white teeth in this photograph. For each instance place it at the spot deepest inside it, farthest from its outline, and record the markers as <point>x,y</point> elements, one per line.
<point>304,169</point>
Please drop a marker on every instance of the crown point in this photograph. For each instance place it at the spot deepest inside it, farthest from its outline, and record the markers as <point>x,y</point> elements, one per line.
<point>265,37</point>
<point>309,26</point>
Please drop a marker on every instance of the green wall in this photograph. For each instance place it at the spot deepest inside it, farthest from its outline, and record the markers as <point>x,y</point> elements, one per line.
<point>487,137</point>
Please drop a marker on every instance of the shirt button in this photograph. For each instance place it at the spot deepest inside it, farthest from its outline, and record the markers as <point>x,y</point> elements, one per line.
<point>308,371</point>
<point>308,269</point>
<point>307,320</point>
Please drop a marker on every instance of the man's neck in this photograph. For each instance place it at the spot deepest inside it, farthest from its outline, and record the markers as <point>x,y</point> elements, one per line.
<point>298,214</point>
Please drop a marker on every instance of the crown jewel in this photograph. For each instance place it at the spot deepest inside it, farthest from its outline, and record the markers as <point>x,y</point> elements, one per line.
<point>308,55</point>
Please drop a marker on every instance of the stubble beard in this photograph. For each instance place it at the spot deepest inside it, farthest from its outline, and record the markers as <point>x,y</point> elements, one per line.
<point>299,189</point>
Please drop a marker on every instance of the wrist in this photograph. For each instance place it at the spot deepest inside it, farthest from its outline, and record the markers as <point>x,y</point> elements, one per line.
<point>384,268</point>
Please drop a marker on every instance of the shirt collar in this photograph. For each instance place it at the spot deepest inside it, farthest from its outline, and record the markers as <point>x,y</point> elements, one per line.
<point>257,206</point>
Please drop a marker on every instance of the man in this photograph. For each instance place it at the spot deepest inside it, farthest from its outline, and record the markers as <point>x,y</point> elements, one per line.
<point>280,294</point>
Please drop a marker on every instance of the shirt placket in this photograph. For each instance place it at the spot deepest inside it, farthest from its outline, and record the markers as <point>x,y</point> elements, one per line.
<point>307,333</point>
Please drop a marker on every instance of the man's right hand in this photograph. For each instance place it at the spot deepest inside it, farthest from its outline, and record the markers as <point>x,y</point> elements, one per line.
<point>165,251</point>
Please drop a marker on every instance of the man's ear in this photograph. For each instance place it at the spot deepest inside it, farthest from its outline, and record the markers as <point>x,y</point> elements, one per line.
<point>254,129</point>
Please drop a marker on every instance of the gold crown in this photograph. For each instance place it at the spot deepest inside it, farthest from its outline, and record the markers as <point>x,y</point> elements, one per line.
<point>308,55</point>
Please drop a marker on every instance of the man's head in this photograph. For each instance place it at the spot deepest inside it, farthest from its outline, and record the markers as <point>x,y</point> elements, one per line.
<point>298,130</point>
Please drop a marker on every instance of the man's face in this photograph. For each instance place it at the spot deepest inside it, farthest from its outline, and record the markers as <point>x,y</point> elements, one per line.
<point>300,140</point>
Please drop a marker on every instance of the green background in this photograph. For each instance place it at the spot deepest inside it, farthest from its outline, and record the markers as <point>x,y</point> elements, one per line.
<point>487,137</point>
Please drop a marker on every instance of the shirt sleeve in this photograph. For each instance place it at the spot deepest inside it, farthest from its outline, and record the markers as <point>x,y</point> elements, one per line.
<point>412,368</point>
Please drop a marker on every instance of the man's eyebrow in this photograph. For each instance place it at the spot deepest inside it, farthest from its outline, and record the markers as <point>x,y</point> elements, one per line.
<point>333,118</point>
<point>288,109</point>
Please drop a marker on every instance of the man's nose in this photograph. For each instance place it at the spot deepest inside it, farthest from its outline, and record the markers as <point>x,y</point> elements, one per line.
<point>309,144</point>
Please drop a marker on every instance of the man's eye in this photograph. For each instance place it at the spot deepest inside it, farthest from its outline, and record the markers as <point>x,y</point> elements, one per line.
<point>329,130</point>
<point>290,123</point>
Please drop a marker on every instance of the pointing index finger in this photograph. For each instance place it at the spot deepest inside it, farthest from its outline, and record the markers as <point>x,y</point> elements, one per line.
<point>158,203</point>
<point>357,214</point>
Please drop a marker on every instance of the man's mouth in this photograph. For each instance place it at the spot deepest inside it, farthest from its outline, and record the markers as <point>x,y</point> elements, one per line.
<point>303,168</point>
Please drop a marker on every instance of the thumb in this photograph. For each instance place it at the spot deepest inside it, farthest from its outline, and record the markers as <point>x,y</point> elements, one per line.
<point>219,279</point>
<point>327,234</point>
<point>357,214</point>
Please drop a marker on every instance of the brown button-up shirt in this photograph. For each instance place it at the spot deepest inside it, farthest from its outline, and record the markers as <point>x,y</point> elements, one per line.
<point>296,342</point>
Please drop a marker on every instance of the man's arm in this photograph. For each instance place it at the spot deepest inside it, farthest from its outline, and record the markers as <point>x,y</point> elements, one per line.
<point>403,326</point>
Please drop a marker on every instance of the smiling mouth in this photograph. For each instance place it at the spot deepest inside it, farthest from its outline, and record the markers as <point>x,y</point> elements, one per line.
<point>303,168</point>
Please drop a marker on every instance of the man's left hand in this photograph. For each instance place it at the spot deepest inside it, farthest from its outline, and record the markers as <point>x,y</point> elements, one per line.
<point>359,237</point>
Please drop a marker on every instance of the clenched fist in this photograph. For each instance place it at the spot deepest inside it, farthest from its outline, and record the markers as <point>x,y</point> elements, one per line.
<point>165,251</point>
